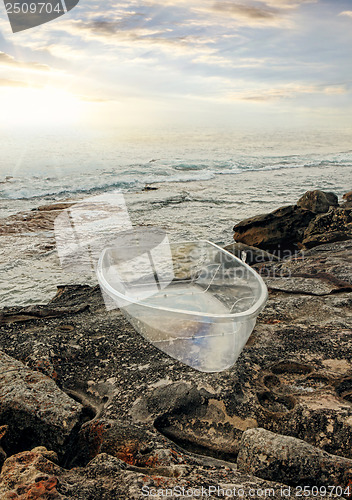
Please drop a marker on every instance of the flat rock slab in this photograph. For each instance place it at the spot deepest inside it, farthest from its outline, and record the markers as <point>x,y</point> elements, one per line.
<point>40,219</point>
<point>291,461</point>
<point>295,284</point>
<point>34,408</point>
<point>330,264</point>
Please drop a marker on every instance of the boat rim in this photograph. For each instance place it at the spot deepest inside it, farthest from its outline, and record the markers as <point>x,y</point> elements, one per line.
<point>252,311</point>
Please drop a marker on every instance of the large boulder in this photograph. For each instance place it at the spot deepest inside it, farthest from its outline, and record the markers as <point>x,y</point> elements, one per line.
<point>318,201</point>
<point>31,474</point>
<point>316,219</point>
<point>347,198</point>
<point>290,460</point>
<point>335,225</point>
<point>35,410</point>
<point>277,231</point>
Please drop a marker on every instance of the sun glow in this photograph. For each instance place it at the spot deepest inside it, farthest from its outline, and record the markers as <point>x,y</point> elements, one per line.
<point>38,106</point>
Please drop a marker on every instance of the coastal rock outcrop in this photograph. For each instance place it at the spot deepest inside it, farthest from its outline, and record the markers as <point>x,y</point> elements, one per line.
<point>347,197</point>
<point>290,460</point>
<point>34,474</point>
<point>41,218</point>
<point>335,225</point>
<point>315,219</point>
<point>34,409</point>
<point>317,201</point>
<point>279,230</point>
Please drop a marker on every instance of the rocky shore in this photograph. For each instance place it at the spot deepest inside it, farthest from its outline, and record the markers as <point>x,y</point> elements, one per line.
<point>317,218</point>
<point>90,410</point>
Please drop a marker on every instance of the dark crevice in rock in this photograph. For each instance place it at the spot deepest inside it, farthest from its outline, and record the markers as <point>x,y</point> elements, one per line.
<point>271,381</point>
<point>344,389</point>
<point>274,403</point>
<point>92,408</point>
<point>89,410</point>
<point>172,429</point>
<point>301,292</point>
<point>290,367</point>
<point>37,312</point>
<point>72,442</point>
<point>28,438</point>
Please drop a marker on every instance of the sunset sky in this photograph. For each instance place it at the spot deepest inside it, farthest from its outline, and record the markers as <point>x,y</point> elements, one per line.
<point>182,63</point>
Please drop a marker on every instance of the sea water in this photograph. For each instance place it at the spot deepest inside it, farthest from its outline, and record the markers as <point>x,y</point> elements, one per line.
<point>206,182</point>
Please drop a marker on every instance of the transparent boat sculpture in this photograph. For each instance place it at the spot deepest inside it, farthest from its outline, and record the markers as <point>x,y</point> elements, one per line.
<point>193,300</point>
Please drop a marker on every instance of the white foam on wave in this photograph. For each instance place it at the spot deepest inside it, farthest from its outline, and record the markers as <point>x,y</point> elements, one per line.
<point>134,178</point>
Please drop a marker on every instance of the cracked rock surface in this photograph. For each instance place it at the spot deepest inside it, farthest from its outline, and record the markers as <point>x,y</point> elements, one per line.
<point>34,409</point>
<point>141,419</point>
<point>264,454</point>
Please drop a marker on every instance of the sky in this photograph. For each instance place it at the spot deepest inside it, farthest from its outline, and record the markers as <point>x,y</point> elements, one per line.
<point>181,63</point>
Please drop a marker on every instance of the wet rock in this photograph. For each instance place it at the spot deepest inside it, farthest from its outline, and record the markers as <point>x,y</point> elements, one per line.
<point>328,263</point>
<point>316,219</point>
<point>41,218</point>
<point>281,229</point>
<point>290,461</point>
<point>317,201</point>
<point>335,225</point>
<point>22,314</point>
<point>35,410</point>
<point>300,285</point>
<point>54,206</point>
<point>253,255</point>
<point>347,197</point>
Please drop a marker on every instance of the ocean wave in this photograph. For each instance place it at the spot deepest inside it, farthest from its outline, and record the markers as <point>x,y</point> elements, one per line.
<point>190,166</point>
<point>136,176</point>
<point>27,194</point>
<point>186,197</point>
<point>206,176</point>
<point>20,190</point>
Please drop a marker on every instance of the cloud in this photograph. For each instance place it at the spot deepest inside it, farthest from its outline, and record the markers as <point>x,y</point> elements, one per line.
<point>347,13</point>
<point>288,91</point>
<point>214,59</point>
<point>252,51</point>
<point>5,82</point>
<point>288,4</point>
<point>7,60</point>
<point>135,29</point>
<point>139,40</point>
<point>245,11</point>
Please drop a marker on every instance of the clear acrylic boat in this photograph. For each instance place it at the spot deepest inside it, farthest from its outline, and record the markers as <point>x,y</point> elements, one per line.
<point>193,300</point>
